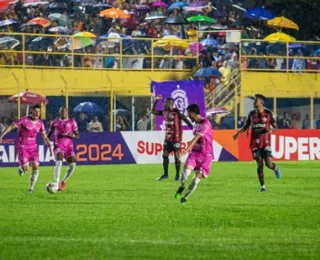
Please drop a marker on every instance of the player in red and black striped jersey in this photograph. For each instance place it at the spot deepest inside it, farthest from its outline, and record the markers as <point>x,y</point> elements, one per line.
<point>173,137</point>
<point>262,123</point>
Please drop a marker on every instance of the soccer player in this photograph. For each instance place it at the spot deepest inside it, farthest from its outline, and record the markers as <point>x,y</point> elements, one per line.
<point>63,129</point>
<point>27,148</point>
<point>200,151</point>
<point>262,124</point>
<point>173,135</point>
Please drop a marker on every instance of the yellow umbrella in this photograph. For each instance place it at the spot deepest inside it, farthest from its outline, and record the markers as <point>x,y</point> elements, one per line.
<point>171,42</point>
<point>84,35</point>
<point>282,22</point>
<point>279,36</point>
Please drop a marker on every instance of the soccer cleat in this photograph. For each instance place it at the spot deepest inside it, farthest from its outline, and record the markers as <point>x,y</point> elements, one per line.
<point>179,193</point>
<point>262,189</point>
<point>163,177</point>
<point>62,186</point>
<point>30,191</point>
<point>20,171</point>
<point>183,200</point>
<point>177,177</point>
<point>278,173</point>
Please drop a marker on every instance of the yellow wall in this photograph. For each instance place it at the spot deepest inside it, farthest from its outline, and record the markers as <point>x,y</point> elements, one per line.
<point>50,82</point>
<point>280,85</point>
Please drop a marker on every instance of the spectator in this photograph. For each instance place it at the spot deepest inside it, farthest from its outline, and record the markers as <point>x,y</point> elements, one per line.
<point>82,123</point>
<point>166,63</point>
<point>142,124</point>
<point>306,122</point>
<point>225,72</point>
<point>285,122</point>
<point>4,124</point>
<point>295,123</point>
<point>299,64</point>
<point>318,123</point>
<point>95,125</point>
<point>121,123</point>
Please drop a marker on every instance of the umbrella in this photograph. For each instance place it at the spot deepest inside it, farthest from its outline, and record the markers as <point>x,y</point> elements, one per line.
<point>102,5</point>
<point>279,36</point>
<point>122,112</point>
<point>171,42</point>
<point>196,47</point>
<point>159,4</point>
<point>28,98</point>
<point>114,37</point>
<point>176,20</point>
<point>155,16</point>
<point>80,43</point>
<point>177,5</point>
<point>60,29</point>
<point>259,13</point>
<point>195,10</point>
<point>229,46</point>
<point>317,52</point>
<point>87,107</point>
<point>276,47</point>
<point>84,35</point>
<point>217,110</point>
<point>207,72</point>
<point>27,3</point>
<point>201,18</point>
<point>7,22</point>
<point>61,18</point>
<point>210,42</point>
<point>9,42</point>
<point>39,21</point>
<point>142,7</point>
<point>61,43</point>
<point>114,13</point>
<point>41,43</point>
<point>198,4</point>
<point>283,22</point>
<point>58,5</point>
<point>4,5</point>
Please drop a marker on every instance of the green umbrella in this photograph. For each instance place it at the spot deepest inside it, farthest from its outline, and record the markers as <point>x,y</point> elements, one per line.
<point>201,18</point>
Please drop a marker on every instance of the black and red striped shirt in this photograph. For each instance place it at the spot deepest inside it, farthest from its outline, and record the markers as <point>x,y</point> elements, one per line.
<point>173,122</point>
<point>260,124</point>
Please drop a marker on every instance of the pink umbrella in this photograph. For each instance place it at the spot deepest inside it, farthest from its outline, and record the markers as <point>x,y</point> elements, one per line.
<point>195,48</point>
<point>217,110</point>
<point>27,3</point>
<point>159,4</point>
<point>28,98</point>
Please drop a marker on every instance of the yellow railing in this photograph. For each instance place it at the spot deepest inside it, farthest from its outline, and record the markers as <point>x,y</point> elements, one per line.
<point>298,56</point>
<point>67,52</point>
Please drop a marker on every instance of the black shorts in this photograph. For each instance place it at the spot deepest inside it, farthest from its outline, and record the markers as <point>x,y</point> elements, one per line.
<point>264,152</point>
<point>171,146</point>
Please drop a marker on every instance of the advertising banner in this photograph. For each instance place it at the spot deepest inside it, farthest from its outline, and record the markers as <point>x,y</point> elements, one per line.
<point>184,93</point>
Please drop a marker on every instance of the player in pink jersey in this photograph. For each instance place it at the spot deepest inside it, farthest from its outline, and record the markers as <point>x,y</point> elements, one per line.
<point>200,151</point>
<point>63,130</point>
<point>27,148</point>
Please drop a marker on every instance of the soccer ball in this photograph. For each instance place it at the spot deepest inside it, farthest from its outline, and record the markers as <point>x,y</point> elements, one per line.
<point>52,187</point>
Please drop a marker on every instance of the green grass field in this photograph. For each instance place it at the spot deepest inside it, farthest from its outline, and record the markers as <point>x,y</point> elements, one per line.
<point>119,212</point>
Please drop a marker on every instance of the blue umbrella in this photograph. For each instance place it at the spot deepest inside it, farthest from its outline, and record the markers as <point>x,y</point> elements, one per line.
<point>209,42</point>
<point>177,5</point>
<point>207,72</point>
<point>259,13</point>
<point>317,52</point>
<point>87,107</point>
<point>7,22</point>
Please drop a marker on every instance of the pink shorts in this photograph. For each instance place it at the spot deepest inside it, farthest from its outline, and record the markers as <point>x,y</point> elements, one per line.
<point>66,150</point>
<point>199,163</point>
<point>28,154</point>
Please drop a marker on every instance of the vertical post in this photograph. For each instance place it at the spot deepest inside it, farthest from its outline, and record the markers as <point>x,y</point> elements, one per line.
<point>23,50</point>
<point>111,111</point>
<point>133,111</point>
<point>67,96</point>
<point>151,115</point>
<point>311,112</point>
<point>121,60</point>
<point>275,105</point>
<point>287,57</point>
<point>72,52</point>
<point>236,112</point>
<point>240,55</point>
<point>152,55</point>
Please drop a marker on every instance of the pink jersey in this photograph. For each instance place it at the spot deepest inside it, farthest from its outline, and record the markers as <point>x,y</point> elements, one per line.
<point>204,145</point>
<point>28,131</point>
<point>63,127</point>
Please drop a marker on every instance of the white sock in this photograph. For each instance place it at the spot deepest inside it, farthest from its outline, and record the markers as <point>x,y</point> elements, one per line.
<point>72,167</point>
<point>192,187</point>
<point>185,175</point>
<point>57,171</point>
<point>33,179</point>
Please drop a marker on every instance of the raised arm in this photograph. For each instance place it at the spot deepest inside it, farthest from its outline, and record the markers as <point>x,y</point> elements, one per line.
<point>154,110</point>
<point>185,119</point>
<point>7,130</point>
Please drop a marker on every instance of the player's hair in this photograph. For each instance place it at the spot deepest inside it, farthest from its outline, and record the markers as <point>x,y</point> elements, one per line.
<point>62,107</point>
<point>35,107</point>
<point>169,99</point>
<point>194,108</point>
<point>260,96</point>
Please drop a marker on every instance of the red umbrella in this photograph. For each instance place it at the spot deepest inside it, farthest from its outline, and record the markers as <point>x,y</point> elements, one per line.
<point>4,4</point>
<point>28,98</point>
